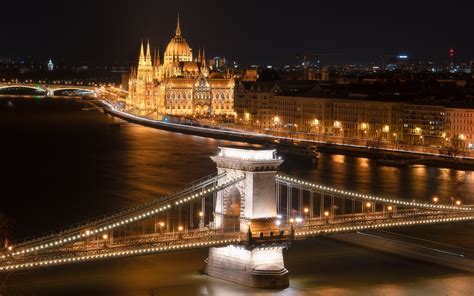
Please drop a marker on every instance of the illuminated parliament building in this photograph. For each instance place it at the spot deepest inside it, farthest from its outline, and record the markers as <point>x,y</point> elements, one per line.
<point>179,84</point>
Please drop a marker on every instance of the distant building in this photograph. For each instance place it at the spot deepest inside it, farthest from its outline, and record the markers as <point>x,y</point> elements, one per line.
<point>424,124</point>
<point>459,127</point>
<point>306,106</point>
<point>180,85</point>
<point>402,61</point>
<point>217,63</point>
<point>325,74</point>
<point>50,65</point>
<point>125,80</point>
<point>250,75</point>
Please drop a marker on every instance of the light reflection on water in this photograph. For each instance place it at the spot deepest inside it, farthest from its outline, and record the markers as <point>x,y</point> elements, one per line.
<point>65,165</point>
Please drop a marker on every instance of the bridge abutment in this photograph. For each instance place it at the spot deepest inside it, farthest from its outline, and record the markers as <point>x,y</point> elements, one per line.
<point>257,267</point>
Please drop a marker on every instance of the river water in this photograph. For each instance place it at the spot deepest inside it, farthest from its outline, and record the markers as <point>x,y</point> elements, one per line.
<point>62,164</point>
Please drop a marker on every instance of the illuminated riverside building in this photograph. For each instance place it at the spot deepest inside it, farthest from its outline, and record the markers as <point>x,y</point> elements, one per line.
<point>302,106</point>
<point>424,124</point>
<point>460,126</point>
<point>181,85</point>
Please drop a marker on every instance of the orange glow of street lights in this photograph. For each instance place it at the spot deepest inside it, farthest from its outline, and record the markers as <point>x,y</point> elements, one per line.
<point>180,228</point>
<point>326,214</point>
<point>306,210</point>
<point>435,199</point>
<point>458,202</point>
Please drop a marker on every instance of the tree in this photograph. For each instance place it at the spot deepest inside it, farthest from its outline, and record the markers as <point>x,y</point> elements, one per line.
<point>456,147</point>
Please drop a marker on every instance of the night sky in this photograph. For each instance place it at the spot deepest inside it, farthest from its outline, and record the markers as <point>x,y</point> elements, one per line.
<point>262,31</point>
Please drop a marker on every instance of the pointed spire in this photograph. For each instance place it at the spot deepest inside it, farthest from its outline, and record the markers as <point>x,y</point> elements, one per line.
<point>203,62</point>
<point>178,27</point>
<point>148,49</point>
<point>199,56</point>
<point>156,61</point>
<point>141,59</point>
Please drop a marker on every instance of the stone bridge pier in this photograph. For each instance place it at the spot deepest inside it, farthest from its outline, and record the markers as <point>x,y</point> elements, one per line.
<point>249,207</point>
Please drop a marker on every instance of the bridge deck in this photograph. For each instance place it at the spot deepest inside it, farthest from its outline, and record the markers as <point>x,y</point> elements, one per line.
<point>83,242</point>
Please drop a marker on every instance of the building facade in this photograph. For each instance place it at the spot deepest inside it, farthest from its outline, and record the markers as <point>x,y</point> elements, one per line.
<point>181,85</point>
<point>301,108</point>
<point>460,127</point>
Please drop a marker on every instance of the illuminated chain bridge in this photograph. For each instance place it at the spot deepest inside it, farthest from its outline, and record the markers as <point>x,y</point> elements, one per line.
<point>245,214</point>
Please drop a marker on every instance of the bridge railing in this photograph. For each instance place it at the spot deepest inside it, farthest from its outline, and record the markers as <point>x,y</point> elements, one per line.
<point>200,183</point>
<point>294,182</point>
<point>59,257</point>
<point>341,226</point>
<point>87,231</point>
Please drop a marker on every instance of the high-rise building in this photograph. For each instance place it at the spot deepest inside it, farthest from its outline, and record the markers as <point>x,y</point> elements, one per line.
<point>50,65</point>
<point>180,85</point>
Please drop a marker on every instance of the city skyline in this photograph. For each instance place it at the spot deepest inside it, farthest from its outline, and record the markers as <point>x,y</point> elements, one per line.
<point>349,33</point>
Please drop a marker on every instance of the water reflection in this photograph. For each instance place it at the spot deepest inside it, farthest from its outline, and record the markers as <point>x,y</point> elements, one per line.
<point>65,165</point>
<point>68,155</point>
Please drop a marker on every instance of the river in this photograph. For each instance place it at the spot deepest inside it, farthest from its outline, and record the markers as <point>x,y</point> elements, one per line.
<point>62,164</point>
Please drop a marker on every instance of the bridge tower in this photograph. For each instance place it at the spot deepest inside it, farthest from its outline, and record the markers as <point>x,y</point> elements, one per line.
<point>254,197</point>
<point>248,207</point>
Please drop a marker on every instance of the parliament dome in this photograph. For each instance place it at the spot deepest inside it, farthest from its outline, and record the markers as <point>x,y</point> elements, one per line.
<point>178,48</point>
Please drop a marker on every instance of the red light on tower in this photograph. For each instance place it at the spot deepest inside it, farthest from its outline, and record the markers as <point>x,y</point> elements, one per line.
<point>451,52</point>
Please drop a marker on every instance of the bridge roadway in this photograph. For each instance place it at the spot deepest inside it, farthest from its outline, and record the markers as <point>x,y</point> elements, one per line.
<point>96,249</point>
<point>83,242</point>
<point>192,191</point>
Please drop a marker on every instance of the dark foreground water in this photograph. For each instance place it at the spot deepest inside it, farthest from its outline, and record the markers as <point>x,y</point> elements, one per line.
<point>61,165</point>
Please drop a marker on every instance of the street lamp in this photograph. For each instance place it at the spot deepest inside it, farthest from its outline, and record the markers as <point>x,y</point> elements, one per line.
<point>201,220</point>
<point>458,202</point>
<point>368,205</point>
<point>105,237</point>
<point>161,224</point>
<point>435,199</point>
